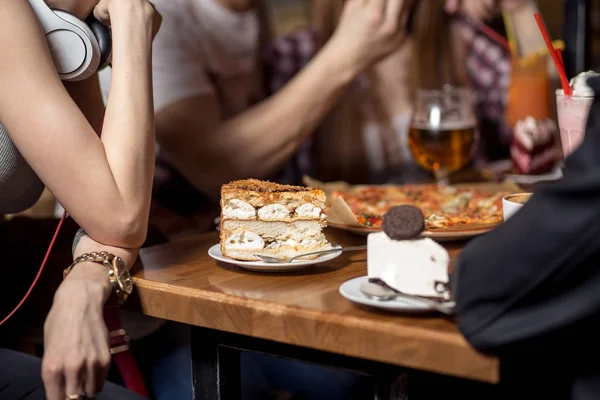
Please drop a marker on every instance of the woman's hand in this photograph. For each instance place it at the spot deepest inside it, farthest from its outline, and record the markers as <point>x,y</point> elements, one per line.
<point>80,8</point>
<point>77,355</point>
<point>369,30</point>
<point>103,9</point>
<point>111,12</point>
<point>484,9</point>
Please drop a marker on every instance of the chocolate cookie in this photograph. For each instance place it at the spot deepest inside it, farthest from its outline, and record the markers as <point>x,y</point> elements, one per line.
<point>403,222</point>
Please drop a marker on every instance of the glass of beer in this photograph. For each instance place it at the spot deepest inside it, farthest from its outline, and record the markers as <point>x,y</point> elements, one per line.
<point>442,134</point>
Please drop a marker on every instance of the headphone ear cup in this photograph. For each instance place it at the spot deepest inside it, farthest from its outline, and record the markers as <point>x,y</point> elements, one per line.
<point>104,38</point>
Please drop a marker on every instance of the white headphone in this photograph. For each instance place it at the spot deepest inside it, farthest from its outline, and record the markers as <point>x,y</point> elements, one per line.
<point>78,48</point>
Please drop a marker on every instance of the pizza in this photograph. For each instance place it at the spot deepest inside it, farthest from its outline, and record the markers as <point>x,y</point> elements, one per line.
<point>442,207</point>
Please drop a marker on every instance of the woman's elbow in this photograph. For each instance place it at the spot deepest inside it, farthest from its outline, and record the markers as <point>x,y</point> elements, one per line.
<point>126,230</point>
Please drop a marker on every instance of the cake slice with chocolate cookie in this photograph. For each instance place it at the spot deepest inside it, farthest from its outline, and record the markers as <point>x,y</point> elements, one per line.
<point>403,260</point>
<point>266,218</point>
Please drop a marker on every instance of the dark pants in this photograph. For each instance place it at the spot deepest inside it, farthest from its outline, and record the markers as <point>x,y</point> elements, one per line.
<point>20,378</point>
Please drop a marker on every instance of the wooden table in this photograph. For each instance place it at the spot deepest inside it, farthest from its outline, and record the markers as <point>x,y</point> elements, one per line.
<point>299,310</point>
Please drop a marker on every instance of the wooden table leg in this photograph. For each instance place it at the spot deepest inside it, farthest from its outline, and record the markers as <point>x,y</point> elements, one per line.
<point>215,366</point>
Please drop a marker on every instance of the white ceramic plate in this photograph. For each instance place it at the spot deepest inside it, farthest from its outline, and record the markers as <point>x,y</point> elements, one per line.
<point>502,166</point>
<point>260,266</point>
<point>553,175</point>
<point>351,291</point>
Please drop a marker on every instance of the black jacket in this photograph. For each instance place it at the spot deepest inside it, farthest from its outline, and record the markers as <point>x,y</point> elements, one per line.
<point>529,291</point>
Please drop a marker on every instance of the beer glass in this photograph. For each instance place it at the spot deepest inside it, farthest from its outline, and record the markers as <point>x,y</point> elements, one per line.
<point>442,133</point>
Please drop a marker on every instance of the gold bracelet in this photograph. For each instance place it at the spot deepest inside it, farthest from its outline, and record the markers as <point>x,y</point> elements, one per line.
<point>118,274</point>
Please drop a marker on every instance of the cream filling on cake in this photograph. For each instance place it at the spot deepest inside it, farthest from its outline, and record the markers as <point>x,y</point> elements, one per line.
<point>245,240</point>
<point>273,212</point>
<point>308,210</point>
<point>309,242</point>
<point>239,209</point>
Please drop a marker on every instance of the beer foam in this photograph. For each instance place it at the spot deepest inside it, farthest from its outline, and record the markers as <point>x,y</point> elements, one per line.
<point>445,126</point>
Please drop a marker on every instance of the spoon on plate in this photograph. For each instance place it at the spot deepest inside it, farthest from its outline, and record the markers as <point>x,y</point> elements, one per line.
<point>382,293</point>
<point>273,259</point>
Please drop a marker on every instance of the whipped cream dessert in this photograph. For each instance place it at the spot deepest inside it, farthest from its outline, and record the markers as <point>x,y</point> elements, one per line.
<point>408,266</point>
<point>266,218</point>
<point>403,260</point>
<point>534,148</point>
<point>579,84</point>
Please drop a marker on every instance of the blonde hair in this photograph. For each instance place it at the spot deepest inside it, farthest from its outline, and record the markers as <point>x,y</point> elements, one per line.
<point>338,146</point>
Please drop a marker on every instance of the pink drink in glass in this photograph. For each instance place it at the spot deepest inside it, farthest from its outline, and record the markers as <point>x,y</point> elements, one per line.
<point>572,117</point>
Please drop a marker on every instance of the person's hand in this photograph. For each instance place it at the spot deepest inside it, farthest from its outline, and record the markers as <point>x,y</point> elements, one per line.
<point>76,345</point>
<point>369,30</point>
<point>484,9</point>
<point>141,9</point>
<point>80,8</point>
<point>130,12</point>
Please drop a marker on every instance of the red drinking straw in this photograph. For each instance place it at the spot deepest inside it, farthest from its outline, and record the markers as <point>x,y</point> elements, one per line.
<point>555,56</point>
<point>559,54</point>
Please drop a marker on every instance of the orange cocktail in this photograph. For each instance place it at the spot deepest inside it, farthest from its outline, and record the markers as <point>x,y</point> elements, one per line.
<point>528,91</point>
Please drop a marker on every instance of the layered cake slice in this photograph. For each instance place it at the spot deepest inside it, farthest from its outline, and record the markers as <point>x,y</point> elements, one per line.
<point>534,149</point>
<point>403,260</point>
<point>267,218</point>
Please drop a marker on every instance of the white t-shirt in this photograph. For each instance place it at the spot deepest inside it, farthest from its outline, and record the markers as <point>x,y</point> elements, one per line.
<point>202,46</point>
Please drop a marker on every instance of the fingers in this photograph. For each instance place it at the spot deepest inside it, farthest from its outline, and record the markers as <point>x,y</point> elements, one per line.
<point>99,364</point>
<point>52,375</point>
<point>351,5</point>
<point>377,5</point>
<point>393,11</point>
<point>101,13</point>
<point>406,14</point>
<point>74,372</point>
<point>79,365</point>
<point>452,6</point>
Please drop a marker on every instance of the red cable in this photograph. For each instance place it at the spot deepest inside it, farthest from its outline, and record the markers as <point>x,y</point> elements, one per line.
<point>495,36</point>
<point>486,30</point>
<point>39,272</point>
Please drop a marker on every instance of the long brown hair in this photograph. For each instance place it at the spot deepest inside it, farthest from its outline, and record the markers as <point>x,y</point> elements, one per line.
<point>435,61</point>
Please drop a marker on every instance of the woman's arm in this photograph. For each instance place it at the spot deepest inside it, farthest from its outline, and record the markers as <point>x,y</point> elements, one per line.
<point>88,97</point>
<point>105,183</point>
<point>527,34</point>
<point>77,355</point>
<point>209,149</point>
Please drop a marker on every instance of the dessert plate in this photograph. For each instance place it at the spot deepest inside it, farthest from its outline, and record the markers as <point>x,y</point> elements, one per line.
<point>351,291</point>
<point>261,266</point>
<point>501,170</point>
<point>553,175</point>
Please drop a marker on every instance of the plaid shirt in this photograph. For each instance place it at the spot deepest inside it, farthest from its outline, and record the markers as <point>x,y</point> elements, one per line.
<point>488,68</point>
